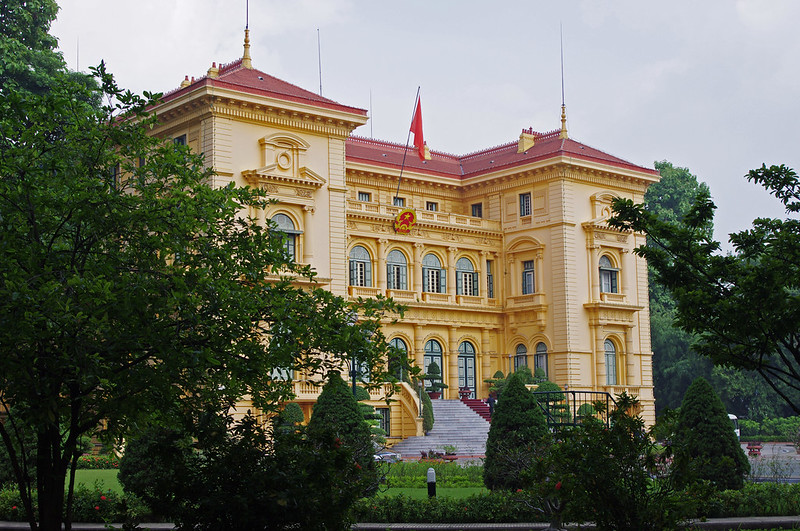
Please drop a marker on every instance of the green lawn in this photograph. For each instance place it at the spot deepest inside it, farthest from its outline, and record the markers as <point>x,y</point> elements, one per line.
<point>419,494</point>
<point>107,478</point>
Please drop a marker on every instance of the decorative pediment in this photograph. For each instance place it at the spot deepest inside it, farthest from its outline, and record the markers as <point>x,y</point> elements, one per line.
<point>271,174</point>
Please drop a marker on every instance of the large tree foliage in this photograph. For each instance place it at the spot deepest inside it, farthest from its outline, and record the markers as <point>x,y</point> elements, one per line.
<point>675,365</point>
<point>744,306</point>
<point>705,446</point>
<point>517,437</point>
<point>132,290</point>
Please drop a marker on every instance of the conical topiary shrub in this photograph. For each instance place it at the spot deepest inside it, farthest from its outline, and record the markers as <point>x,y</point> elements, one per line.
<point>705,445</point>
<point>517,434</point>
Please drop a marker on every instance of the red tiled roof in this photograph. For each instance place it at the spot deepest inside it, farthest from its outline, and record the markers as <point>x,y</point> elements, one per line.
<point>548,145</point>
<point>234,76</point>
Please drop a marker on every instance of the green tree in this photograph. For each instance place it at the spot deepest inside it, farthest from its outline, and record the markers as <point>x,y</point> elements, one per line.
<point>705,446</point>
<point>337,415</point>
<point>744,306</point>
<point>30,60</point>
<point>675,365</point>
<point>517,436</point>
<point>133,290</point>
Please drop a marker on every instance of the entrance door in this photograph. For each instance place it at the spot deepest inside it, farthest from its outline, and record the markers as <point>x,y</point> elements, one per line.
<point>466,367</point>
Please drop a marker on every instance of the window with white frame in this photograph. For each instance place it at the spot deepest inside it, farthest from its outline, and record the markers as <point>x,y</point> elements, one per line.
<point>528,283</point>
<point>525,204</point>
<point>477,210</point>
<point>431,205</point>
<point>364,196</point>
<point>433,275</point>
<point>466,278</point>
<point>396,270</point>
<point>360,267</point>
<point>520,357</point>
<point>399,201</point>
<point>540,359</point>
<point>285,228</point>
<point>611,362</point>
<point>608,276</point>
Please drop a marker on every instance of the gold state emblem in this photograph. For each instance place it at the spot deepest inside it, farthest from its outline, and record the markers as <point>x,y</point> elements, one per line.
<point>406,219</point>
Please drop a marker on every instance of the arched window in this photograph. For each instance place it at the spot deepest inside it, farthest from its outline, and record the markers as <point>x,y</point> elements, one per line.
<point>433,354</point>
<point>360,267</point>
<point>611,362</point>
<point>433,276</point>
<point>285,228</point>
<point>608,276</point>
<point>466,367</point>
<point>396,270</point>
<point>466,278</point>
<point>540,359</point>
<point>398,357</point>
<point>521,357</point>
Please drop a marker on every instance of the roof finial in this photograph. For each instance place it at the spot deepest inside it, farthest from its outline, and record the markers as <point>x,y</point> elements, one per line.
<point>246,61</point>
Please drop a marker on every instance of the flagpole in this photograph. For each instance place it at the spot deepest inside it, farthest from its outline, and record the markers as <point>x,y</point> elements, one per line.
<point>408,137</point>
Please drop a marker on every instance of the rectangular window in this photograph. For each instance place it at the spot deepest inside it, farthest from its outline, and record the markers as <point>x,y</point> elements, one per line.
<point>490,278</point>
<point>384,419</point>
<point>179,140</point>
<point>364,196</point>
<point>399,201</point>
<point>431,205</point>
<point>525,204</point>
<point>467,283</point>
<point>528,285</point>
<point>477,210</point>
<point>520,360</point>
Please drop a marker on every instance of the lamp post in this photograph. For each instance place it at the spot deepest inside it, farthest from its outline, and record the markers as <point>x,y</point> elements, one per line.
<point>354,372</point>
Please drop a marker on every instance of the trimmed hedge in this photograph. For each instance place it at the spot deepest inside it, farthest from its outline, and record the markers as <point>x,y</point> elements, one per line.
<point>413,474</point>
<point>98,462</point>
<point>755,499</point>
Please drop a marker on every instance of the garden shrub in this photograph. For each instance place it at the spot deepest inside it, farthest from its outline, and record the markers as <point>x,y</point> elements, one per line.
<point>337,415</point>
<point>292,414</point>
<point>608,474</point>
<point>412,474</point>
<point>494,507</point>
<point>98,462</point>
<point>518,433</point>
<point>427,413</point>
<point>705,446</point>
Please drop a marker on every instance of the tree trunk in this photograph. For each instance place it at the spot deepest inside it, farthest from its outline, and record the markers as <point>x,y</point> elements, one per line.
<point>50,477</point>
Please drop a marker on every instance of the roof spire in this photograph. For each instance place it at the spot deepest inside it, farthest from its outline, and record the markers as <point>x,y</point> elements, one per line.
<point>246,61</point>
<point>563,133</point>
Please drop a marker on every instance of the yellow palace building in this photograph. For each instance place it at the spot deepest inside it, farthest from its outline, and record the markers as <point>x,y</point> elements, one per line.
<point>508,260</point>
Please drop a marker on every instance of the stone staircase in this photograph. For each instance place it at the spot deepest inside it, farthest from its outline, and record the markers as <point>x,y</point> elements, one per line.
<point>478,406</point>
<point>455,424</point>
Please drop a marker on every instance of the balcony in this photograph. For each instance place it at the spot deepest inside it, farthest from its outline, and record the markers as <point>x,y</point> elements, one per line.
<point>424,216</point>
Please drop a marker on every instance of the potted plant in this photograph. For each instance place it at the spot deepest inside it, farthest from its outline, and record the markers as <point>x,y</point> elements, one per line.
<point>434,378</point>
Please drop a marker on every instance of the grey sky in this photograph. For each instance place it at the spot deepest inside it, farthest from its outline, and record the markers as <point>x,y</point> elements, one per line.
<point>709,85</point>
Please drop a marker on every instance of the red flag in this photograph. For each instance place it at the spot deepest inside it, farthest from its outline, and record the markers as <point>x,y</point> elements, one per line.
<point>416,128</point>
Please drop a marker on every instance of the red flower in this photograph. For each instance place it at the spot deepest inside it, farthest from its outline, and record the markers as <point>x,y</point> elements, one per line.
<point>14,508</point>
<point>96,507</point>
<point>358,466</point>
<point>519,490</point>
<point>103,498</point>
<point>558,486</point>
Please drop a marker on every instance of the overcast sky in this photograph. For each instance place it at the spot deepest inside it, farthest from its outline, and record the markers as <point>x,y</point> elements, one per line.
<point>713,85</point>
